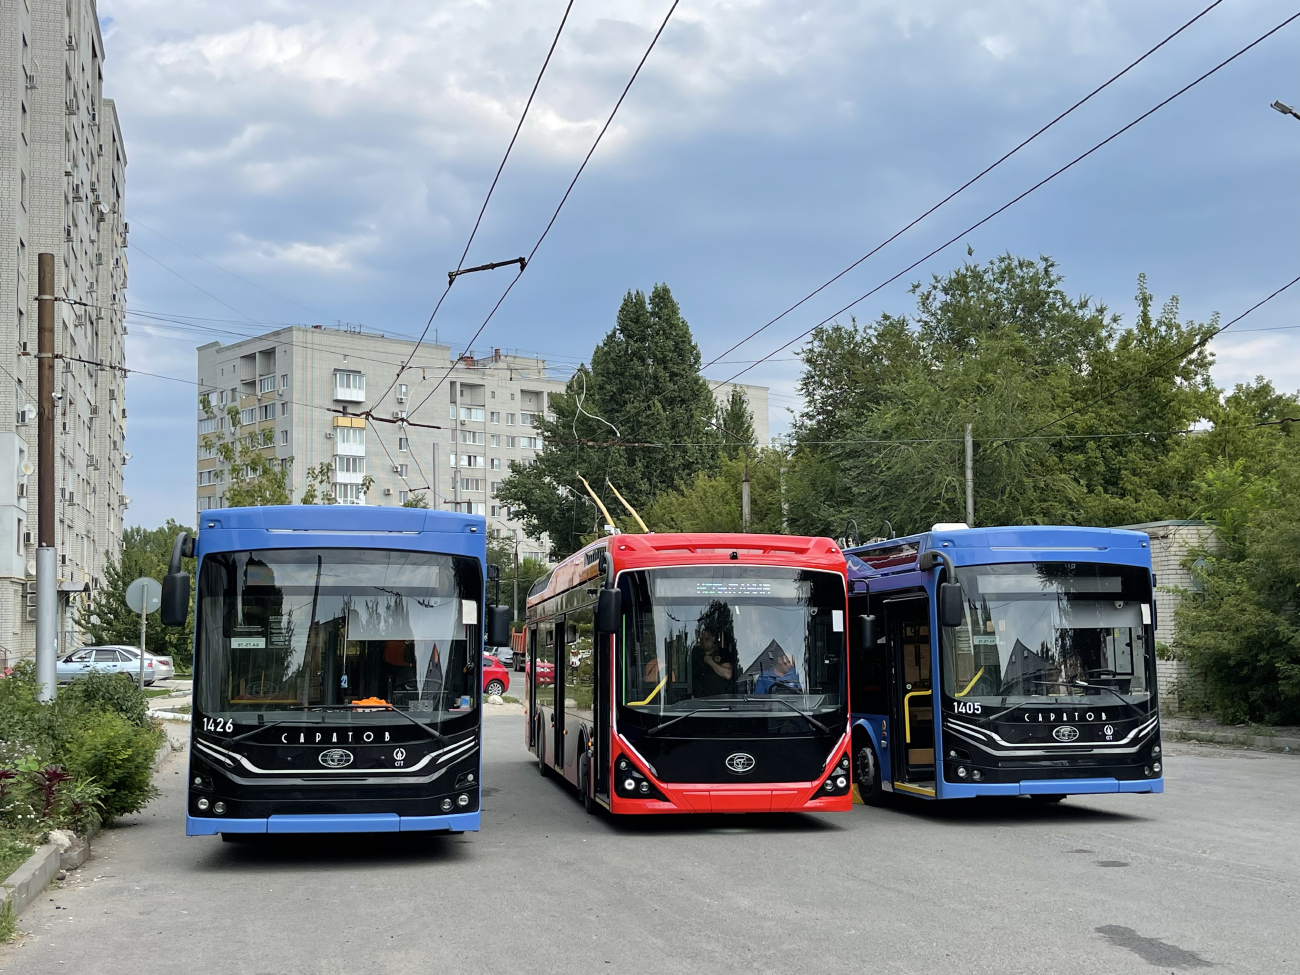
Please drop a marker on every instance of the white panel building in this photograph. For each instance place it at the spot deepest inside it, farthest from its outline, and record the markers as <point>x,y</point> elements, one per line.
<point>62,179</point>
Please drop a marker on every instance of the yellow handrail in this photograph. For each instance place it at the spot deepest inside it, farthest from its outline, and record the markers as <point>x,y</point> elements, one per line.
<point>966,690</point>
<point>637,704</point>
<point>907,713</point>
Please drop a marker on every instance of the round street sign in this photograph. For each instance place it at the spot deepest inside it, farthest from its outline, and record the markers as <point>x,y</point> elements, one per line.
<point>144,595</point>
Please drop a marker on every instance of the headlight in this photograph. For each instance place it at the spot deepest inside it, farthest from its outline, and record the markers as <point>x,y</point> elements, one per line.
<point>219,809</point>
<point>203,805</point>
<point>629,785</point>
<point>446,805</point>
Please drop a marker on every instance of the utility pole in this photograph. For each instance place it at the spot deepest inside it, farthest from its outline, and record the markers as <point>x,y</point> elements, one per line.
<point>47,594</point>
<point>514,599</point>
<point>970,478</point>
<point>744,496</point>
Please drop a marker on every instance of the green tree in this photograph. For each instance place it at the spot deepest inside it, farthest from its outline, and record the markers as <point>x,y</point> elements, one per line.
<point>1000,346</point>
<point>416,499</point>
<point>735,424</point>
<point>1240,628</point>
<point>256,475</point>
<point>712,503</point>
<point>501,553</point>
<point>641,417</point>
<point>107,619</point>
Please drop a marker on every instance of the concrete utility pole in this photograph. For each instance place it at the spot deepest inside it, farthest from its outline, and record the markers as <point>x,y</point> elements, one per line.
<point>970,478</point>
<point>744,496</point>
<point>47,588</point>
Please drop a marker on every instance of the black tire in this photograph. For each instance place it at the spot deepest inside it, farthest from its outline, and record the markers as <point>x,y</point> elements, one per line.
<point>499,688</point>
<point>866,773</point>
<point>541,750</point>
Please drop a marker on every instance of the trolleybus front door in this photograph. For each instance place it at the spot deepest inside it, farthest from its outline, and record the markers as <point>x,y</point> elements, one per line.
<point>907,629</point>
<point>560,655</point>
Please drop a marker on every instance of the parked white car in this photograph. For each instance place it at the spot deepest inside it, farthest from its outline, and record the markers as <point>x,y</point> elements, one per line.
<point>114,660</point>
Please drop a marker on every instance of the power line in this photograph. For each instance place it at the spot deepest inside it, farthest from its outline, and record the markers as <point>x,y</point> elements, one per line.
<point>314,311</point>
<point>1199,343</point>
<point>564,199</point>
<point>138,248</point>
<point>451,278</point>
<point>1006,206</point>
<point>966,185</point>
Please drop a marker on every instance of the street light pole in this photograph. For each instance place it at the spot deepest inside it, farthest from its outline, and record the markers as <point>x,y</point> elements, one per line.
<point>47,609</point>
<point>1285,109</point>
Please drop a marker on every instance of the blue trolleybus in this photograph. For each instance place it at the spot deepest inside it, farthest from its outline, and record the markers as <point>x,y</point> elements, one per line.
<point>1004,661</point>
<point>337,669</point>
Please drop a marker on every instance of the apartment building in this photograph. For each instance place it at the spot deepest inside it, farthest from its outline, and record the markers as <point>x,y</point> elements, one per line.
<point>62,180</point>
<point>445,430</point>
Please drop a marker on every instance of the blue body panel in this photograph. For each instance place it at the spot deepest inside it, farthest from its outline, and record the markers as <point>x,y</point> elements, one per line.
<point>351,527</point>
<point>991,546</point>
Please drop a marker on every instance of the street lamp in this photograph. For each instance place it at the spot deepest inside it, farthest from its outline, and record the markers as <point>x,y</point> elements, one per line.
<point>1285,109</point>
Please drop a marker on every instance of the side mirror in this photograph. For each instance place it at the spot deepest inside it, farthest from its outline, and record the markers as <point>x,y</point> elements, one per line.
<point>609,610</point>
<point>498,626</point>
<point>952,609</point>
<point>175,605</point>
<point>867,631</point>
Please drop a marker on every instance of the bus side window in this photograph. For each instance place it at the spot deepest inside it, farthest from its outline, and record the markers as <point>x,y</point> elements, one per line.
<point>544,674</point>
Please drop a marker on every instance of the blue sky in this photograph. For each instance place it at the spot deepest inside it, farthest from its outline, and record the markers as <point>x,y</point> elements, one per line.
<point>335,154</point>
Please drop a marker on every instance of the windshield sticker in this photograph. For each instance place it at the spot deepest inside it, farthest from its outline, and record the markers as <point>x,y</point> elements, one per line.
<point>1146,615</point>
<point>837,620</point>
<point>468,612</point>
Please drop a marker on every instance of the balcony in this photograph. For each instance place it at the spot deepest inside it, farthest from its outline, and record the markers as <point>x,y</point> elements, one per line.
<point>349,387</point>
<point>347,477</point>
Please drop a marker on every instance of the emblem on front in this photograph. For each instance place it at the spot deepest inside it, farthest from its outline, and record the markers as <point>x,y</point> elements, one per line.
<point>740,762</point>
<point>336,758</point>
<point>1066,733</point>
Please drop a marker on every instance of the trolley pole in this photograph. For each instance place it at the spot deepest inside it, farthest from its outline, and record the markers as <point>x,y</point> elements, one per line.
<point>47,596</point>
<point>970,478</point>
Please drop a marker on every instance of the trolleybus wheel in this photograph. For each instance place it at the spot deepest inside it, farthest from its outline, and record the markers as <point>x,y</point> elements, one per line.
<point>541,749</point>
<point>867,773</point>
<point>495,687</point>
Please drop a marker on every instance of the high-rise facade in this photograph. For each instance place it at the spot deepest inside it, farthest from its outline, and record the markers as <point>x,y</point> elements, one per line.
<point>62,182</point>
<point>446,429</point>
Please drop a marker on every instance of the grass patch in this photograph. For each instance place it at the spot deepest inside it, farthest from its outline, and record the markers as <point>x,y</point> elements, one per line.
<point>510,700</point>
<point>7,926</point>
<point>15,848</point>
<point>156,692</point>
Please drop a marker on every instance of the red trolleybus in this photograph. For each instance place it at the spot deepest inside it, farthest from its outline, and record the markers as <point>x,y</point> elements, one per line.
<point>693,673</point>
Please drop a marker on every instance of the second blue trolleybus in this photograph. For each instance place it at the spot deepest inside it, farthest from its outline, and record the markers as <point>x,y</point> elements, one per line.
<point>1004,661</point>
<point>337,669</point>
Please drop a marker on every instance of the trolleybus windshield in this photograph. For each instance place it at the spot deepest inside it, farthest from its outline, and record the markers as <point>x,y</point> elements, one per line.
<point>1050,632</point>
<point>306,631</point>
<point>733,642</point>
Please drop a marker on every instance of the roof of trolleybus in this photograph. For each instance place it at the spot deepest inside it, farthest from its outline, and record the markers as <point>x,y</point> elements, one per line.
<point>340,526</point>
<point>988,546</point>
<point>655,550</point>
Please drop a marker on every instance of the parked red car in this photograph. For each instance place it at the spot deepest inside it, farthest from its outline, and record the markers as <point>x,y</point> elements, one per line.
<point>496,679</point>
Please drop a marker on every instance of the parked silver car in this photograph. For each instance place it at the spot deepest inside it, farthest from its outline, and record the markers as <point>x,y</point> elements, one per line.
<point>113,660</point>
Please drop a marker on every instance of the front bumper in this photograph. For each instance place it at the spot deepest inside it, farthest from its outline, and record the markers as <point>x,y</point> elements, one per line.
<point>343,823</point>
<point>1052,787</point>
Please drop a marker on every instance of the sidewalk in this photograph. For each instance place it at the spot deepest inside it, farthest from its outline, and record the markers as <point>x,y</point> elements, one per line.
<point>1261,737</point>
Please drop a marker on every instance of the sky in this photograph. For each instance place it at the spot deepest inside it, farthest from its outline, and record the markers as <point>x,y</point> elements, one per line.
<point>323,162</point>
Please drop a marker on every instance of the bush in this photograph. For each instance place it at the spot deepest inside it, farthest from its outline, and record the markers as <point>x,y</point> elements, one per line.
<point>116,693</point>
<point>118,756</point>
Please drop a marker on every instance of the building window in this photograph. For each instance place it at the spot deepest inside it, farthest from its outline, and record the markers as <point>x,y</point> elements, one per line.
<point>402,470</point>
<point>525,419</point>
<point>347,464</point>
<point>284,408</point>
<point>350,380</point>
<point>495,464</point>
<point>494,440</point>
<point>352,436</point>
<point>223,397</point>
<point>266,384</point>
<point>470,507</point>
<point>510,417</point>
<point>248,417</point>
<point>349,494</point>
<point>401,391</point>
<point>284,436</point>
<point>496,510</point>
<point>402,496</point>
<point>403,443</point>
<point>208,425</point>
<point>472,413</point>
<point>471,436</point>
<point>531,443</point>
<point>471,484</point>
<point>471,460</point>
<point>284,380</point>
<point>494,486</point>
<point>266,411</point>
<point>210,477</point>
<point>510,441</point>
<point>494,416</point>
<point>207,453</point>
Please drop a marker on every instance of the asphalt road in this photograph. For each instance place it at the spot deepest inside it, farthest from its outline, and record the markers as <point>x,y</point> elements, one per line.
<point>1205,875</point>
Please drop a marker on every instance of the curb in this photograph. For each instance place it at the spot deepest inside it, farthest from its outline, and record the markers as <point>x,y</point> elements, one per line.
<point>27,883</point>
<point>1264,743</point>
<point>169,716</point>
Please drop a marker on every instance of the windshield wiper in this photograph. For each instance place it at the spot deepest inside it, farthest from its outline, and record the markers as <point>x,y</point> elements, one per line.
<point>1083,683</point>
<point>799,711</point>
<point>681,717</point>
